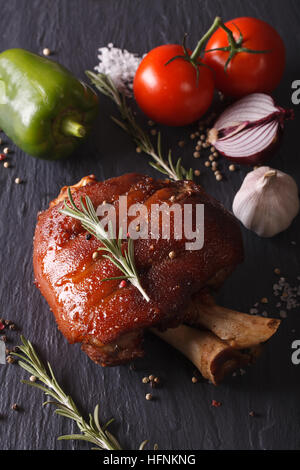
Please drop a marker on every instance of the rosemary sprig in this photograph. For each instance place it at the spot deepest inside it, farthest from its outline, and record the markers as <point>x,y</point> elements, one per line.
<point>113,246</point>
<point>91,431</point>
<point>128,123</point>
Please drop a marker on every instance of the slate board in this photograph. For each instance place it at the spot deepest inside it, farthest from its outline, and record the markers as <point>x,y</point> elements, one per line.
<point>181,417</point>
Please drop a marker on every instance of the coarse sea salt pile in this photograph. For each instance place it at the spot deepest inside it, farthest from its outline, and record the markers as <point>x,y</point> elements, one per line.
<point>120,65</point>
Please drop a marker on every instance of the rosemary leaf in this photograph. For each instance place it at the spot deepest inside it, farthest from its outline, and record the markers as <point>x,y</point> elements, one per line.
<point>113,247</point>
<point>92,431</point>
<point>141,139</point>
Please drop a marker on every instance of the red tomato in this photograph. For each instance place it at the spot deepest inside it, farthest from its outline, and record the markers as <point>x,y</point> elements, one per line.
<point>247,72</point>
<point>170,94</point>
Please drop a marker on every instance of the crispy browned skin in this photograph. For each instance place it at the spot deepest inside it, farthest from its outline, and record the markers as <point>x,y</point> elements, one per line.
<point>109,320</point>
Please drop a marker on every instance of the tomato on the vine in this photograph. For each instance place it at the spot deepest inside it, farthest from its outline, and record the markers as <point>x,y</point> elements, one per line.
<point>259,68</point>
<point>173,93</point>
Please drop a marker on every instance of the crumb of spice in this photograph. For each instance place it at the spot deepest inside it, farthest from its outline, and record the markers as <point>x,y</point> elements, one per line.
<point>15,407</point>
<point>32,378</point>
<point>151,377</point>
<point>6,150</point>
<point>145,380</point>
<point>194,380</point>
<point>2,156</point>
<point>46,51</point>
<point>6,164</point>
<point>172,254</point>
<point>10,360</point>
<point>2,326</point>
<point>252,414</point>
<point>149,396</point>
<point>18,180</point>
<point>216,404</point>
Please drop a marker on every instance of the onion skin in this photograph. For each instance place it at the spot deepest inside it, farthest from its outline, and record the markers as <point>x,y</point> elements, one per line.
<point>253,124</point>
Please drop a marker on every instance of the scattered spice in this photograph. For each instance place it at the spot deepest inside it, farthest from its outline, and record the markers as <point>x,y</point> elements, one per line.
<point>149,396</point>
<point>6,150</point>
<point>6,164</point>
<point>18,181</point>
<point>216,404</point>
<point>122,284</point>
<point>15,407</point>
<point>252,414</point>
<point>46,51</point>
<point>172,255</point>
<point>10,360</point>
<point>2,157</point>
<point>194,380</point>
<point>95,255</point>
<point>145,380</point>
<point>32,378</point>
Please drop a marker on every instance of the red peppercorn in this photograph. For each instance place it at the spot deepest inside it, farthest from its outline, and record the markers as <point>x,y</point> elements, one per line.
<point>122,284</point>
<point>2,156</point>
<point>2,326</point>
<point>216,404</point>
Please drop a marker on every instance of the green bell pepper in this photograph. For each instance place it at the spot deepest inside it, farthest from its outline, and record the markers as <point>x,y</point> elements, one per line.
<point>44,109</point>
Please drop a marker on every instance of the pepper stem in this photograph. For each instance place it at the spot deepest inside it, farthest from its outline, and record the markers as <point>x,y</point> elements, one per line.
<point>73,128</point>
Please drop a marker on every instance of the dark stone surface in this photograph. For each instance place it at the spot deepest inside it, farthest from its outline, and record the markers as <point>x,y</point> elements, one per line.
<point>181,417</point>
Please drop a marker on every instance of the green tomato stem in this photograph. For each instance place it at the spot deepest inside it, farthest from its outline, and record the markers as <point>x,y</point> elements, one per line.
<point>72,128</point>
<point>198,49</point>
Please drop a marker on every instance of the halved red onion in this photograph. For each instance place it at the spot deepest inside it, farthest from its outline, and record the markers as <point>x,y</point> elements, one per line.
<point>248,131</point>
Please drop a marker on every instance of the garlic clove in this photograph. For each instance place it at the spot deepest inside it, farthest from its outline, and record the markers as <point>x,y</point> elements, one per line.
<point>267,201</point>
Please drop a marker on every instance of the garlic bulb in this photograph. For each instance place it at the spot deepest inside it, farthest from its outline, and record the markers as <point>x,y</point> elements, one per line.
<point>267,201</point>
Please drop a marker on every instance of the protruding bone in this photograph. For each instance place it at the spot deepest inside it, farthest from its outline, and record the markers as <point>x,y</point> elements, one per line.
<point>213,357</point>
<point>240,330</point>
